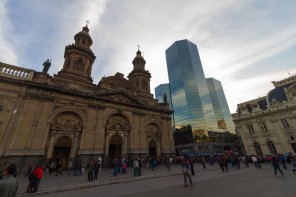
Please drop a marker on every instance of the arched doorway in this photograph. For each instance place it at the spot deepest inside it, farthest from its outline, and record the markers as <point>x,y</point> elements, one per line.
<point>115,149</point>
<point>152,149</point>
<point>62,150</point>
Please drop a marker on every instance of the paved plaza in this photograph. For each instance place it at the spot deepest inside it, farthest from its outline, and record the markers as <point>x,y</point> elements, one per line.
<point>210,182</point>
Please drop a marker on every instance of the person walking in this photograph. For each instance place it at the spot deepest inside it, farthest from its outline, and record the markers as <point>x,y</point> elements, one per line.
<point>8,183</point>
<point>38,173</point>
<point>185,170</point>
<point>203,160</point>
<point>31,179</point>
<point>222,163</point>
<point>136,167</point>
<point>276,166</point>
<point>90,170</point>
<point>58,167</point>
<point>191,163</point>
<point>97,169</point>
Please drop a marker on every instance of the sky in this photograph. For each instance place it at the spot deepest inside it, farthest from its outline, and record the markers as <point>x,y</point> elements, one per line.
<point>245,44</point>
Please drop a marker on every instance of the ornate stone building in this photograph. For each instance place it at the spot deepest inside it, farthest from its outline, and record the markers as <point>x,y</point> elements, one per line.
<point>66,116</point>
<point>267,125</point>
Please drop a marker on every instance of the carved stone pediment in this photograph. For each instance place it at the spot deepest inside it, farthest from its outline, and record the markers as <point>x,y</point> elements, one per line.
<point>153,132</point>
<point>118,123</point>
<point>68,122</point>
<point>120,97</point>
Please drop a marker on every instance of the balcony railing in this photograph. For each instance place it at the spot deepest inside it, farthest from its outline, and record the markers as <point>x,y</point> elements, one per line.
<point>15,72</point>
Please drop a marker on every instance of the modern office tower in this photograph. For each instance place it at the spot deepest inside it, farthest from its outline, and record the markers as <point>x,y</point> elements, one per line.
<point>189,91</point>
<point>220,105</point>
<point>162,92</point>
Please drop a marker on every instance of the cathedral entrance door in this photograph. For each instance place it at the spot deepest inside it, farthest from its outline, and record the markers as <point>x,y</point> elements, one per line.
<point>152,149</point>
<point>115,149</point>
<point>61,151</point>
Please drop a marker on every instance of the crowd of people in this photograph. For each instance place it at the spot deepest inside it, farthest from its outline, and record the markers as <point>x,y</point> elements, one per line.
<point>9,184</point>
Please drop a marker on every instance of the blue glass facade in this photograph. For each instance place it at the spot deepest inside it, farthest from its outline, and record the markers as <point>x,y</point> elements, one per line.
<point>160,91</point>
<point>190,95</point>
<point>220,105</point>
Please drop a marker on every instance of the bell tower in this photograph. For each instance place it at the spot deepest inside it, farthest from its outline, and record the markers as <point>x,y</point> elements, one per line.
<point>79,59</point>
<point>139,76</point>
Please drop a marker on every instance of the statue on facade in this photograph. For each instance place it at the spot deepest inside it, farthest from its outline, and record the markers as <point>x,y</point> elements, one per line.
<point>165,99</point>
<point>46,65</point>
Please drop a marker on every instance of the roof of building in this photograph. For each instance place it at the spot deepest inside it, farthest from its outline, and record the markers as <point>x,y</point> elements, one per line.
<point>278,93</point>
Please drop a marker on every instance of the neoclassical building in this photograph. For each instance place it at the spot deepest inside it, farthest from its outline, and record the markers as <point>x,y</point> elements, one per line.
<point>67,116</point>
<point>267,125</point>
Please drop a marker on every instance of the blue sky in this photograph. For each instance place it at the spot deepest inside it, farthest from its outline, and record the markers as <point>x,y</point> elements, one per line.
<point>245,44</point>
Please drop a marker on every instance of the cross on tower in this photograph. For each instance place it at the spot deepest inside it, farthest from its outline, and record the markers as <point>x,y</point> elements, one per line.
<point>138,47</point>
<point>87,22</point>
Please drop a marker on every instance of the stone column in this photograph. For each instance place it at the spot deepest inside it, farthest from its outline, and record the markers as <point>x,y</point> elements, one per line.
<point>50,146</point>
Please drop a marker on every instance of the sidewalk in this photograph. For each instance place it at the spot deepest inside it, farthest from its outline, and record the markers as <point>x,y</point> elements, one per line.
<point>52,183</point>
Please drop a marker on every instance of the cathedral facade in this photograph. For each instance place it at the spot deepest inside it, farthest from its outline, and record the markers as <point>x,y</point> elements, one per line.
<point>67,116</point>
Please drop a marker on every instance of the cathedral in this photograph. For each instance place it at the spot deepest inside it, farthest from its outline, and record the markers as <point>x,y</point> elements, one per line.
<point>67,116</point>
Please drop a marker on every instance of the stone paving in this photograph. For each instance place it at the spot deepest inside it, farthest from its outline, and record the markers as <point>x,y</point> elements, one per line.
<point>210,182</point>
<point>51,183</point>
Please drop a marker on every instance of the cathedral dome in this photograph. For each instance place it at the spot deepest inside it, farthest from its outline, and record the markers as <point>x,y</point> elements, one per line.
<point>83,38</point>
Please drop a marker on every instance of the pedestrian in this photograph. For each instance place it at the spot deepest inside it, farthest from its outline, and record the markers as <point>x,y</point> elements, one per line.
<point>97,166</point>
<point>222,163</point>
<point>276,166</point>
<point>256,161</point>
<point>124,166</point>
<point>293,162</point>
<point>140,166</point>
<point>38,173</point>
<point>167,163</point>
<point>136,167</point>
<point>70,167</point>
<point>52,167</point>
<point>203,160</point>
<point>185,170</point>
<point>191,163</point>
<point>58,168</point>
<point>8,183</point>
<point>90,170</point>
<point>115,167</point>
<point>31,178</point>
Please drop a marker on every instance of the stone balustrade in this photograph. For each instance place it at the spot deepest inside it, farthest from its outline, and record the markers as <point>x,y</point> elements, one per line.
<point>15,72</point>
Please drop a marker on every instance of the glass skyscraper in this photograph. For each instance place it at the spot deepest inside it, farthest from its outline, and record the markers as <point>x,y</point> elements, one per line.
<point>191,98</point>
<point>220,105</point>
<point>160,91</point>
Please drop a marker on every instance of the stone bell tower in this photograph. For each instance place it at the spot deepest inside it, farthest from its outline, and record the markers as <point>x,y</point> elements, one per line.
<point>139,76</point>
<point>79,59</point>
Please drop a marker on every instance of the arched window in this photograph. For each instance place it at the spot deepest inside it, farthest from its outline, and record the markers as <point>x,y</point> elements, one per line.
<point>1,108</point>
<point>257,148</point>
<point>271,147</point>
<point>79,64</point>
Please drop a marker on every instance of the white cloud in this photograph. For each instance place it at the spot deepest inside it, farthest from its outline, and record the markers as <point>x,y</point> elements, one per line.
<point>7,51</point>
<point>230,35</point>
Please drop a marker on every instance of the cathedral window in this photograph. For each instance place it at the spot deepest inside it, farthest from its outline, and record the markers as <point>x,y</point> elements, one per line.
<point>251,129</point>
<point>79,64</point>
<point>144,85</point>
<point>271,147</point>
<point>263,127</point>
<point>285,123</point>
<point>257,148</point>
